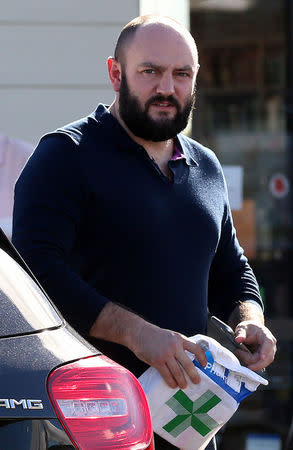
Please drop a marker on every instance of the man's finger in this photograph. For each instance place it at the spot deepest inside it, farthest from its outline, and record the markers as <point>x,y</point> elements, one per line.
<point>257,366</point>
<point>268,348</point>
<point>246,357</point>
<point>177,372</point>
<point>167,376</point>
<point>261,357</point>
<point>197,350</point>
<point>240,334</point>
<point>189,368</point>
<point>245,338</point>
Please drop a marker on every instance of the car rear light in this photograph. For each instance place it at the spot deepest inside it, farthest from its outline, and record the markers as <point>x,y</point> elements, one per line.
<point>101,405</point>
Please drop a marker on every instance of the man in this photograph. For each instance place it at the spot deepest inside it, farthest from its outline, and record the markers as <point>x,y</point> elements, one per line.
<point>126,222</point>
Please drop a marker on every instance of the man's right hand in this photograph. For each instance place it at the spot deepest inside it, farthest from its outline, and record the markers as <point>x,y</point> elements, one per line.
<point>165,350</point>
<point>158,347</point>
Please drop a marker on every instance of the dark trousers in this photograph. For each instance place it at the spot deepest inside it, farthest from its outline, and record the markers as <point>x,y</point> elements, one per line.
<point>161,444</point>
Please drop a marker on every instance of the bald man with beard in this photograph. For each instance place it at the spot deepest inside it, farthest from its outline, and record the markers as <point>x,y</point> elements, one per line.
<point>126,221</point>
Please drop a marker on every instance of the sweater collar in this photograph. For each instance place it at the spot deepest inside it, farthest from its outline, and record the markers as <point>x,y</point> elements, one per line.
<point>188,149</point>
<point>113,128</point>
<point>122,139</point>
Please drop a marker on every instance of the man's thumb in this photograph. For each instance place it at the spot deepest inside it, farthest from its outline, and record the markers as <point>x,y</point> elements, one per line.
<point>240,334</point>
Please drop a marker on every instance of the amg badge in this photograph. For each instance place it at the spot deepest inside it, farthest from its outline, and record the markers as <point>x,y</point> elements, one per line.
<point>9,403</point>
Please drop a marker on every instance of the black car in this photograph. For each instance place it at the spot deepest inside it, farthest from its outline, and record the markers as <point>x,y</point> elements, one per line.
<point>57,391</point>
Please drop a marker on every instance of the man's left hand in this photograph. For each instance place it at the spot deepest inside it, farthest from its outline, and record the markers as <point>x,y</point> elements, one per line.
<point>259,340</point>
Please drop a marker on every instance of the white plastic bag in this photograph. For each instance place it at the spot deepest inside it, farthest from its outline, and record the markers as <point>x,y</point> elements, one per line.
<point>189,418</point>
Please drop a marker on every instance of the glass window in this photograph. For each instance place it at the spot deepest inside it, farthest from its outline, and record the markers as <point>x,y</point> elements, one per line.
<point>243,114</point>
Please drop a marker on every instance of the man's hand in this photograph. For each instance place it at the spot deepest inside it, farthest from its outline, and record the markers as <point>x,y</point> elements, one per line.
<point>260,341</point>
<point>158,347</point>
<point>165,350</point>
<point>248,322</point>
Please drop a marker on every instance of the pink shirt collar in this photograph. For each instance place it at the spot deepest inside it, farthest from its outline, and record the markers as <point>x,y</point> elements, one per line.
<point>177,154</point>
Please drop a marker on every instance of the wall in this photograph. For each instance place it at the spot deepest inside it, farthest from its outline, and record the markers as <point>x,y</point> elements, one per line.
<point>53,58</point>
<point>53,70</point>
<point>178,9</point>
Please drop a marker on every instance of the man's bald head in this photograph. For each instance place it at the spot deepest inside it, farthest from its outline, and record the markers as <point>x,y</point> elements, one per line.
<point>128,33</point>
<point>154,74</point>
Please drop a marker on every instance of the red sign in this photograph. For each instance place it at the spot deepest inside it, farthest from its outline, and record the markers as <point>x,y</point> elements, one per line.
<point>279,185</point>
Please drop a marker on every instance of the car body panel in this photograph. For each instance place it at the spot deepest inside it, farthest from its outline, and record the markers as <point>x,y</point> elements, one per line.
<point>30,359</point>
<point>35,434</point>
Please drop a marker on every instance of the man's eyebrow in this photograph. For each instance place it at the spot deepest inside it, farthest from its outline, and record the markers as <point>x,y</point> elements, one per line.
<point>149,64</point>
<point>186,68</point>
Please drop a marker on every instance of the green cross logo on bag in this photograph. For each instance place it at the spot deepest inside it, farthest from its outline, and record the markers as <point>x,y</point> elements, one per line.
<point>192,414</point>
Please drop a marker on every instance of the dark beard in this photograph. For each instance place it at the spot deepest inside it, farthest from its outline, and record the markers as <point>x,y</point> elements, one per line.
<point>142,125</point>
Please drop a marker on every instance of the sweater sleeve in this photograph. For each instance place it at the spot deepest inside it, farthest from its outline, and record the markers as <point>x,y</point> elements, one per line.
<point>231,278</point>
<point>48,208</point>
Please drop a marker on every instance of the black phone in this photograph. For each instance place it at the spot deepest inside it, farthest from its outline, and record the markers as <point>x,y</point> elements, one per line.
<point>226,336</point>
<point>226,331</point>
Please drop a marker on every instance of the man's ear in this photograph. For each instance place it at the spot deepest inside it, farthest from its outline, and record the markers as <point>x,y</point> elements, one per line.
<point>114,70</point>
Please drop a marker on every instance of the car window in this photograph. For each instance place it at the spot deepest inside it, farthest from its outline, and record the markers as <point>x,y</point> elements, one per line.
<point>24,308</point>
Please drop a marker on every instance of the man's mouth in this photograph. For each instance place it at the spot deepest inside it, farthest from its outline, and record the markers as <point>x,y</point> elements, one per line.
<point>164,104</point>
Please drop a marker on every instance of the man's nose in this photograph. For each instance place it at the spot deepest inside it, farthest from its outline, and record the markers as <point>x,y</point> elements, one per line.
<point>166,85</point>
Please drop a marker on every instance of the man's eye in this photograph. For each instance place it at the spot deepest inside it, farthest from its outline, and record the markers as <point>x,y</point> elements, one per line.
<point>183,74</point>
<point>149,71</point>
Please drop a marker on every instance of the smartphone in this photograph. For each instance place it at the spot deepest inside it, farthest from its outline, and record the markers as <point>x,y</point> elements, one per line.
<point>226,336</point>
<point>226,331</point>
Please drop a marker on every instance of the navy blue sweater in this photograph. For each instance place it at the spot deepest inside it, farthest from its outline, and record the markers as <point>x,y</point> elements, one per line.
<point>96,220</point>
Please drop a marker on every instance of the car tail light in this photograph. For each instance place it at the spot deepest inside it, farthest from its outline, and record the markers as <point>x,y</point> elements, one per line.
<point>101,405</point>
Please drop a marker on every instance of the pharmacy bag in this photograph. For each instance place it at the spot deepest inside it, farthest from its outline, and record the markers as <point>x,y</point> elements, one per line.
<point>189,418</point>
